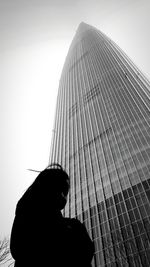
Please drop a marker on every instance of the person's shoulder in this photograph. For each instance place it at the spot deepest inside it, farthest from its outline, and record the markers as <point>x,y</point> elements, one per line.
<point>77,226</point>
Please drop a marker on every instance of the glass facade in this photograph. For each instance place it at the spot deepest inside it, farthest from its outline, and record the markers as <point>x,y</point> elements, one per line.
<point>101,137</point>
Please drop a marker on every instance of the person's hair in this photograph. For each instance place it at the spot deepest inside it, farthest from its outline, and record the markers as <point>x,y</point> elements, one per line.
<point>53,177</point>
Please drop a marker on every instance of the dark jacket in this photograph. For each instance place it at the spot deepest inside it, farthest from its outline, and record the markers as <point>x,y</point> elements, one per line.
<point>42,237</point>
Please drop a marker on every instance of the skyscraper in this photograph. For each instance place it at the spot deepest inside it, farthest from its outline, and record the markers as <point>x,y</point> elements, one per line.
<point>101,137</point>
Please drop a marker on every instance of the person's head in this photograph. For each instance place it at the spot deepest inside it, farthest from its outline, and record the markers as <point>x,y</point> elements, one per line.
<point>52,185</point>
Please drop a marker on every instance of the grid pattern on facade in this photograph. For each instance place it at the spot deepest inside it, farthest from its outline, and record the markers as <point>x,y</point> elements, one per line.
<point>101,137</point>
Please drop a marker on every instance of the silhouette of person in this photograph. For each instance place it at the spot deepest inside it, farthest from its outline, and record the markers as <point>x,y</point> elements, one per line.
<point>40,235</point>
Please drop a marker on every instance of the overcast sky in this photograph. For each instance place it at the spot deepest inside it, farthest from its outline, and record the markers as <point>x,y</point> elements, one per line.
<point>34,39</point>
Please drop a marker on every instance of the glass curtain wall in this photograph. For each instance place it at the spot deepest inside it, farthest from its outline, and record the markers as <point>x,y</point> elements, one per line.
<point>101,137</point>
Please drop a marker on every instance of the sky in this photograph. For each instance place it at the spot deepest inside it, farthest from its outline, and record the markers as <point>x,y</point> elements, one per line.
<point>35,36</point>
